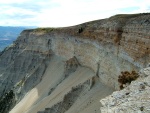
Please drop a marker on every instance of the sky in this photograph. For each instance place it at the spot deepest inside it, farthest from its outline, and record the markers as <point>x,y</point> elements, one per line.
<point>61,13</point>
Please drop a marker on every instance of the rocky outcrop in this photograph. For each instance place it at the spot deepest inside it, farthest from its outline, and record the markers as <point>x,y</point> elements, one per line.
<point>98,51</point>
<point>133,99</point>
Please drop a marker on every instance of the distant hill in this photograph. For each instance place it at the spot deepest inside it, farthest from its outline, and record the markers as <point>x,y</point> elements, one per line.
<point>8,34</point>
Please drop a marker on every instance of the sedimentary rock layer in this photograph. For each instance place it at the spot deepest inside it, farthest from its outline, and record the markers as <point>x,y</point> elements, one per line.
<point>43,59</point>
<point>106,46</point>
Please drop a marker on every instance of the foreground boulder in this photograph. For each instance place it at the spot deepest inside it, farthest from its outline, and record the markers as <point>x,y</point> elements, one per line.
<point>133,99</point>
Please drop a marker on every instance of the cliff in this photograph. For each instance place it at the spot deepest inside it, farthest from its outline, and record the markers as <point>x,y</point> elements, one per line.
<point>70,69</point>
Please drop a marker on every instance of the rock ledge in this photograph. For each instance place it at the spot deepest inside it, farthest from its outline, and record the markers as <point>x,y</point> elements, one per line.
<point>133,99</point>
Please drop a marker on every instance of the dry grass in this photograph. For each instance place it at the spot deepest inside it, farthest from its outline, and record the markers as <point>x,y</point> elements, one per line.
<point>118,16</point>
<point>116,39</point>
<point>44,29</point>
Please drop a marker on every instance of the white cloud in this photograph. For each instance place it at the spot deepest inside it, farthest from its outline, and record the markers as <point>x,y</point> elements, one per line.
<point>12,1</point>
<point>66,12</point>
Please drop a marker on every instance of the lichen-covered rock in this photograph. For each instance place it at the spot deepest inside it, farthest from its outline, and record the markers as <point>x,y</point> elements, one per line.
<point>133,99</point>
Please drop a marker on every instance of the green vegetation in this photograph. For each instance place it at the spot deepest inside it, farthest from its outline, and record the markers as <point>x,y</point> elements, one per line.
<point>80,30</point>
<point>7,101</point>
<point>127,77</point>
<point>45,30</point>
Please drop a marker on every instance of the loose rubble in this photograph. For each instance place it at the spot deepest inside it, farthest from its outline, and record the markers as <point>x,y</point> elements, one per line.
<point>133,99</point>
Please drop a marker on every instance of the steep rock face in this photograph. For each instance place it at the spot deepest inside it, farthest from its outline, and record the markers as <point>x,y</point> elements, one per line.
<point>97,51</point>
<point>17,73</point>
<point>107,46</point>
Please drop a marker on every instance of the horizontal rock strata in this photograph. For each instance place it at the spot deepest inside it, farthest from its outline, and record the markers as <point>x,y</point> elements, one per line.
<point>98,51</point>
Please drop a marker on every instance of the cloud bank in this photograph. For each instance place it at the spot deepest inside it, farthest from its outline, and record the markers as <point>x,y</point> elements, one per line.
<point>59,13</point>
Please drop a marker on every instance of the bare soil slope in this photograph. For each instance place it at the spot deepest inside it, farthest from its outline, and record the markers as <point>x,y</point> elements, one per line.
<point>73,94</point>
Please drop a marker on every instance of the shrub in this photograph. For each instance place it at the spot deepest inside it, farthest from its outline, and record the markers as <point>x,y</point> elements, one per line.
<point>80,30</point>
<point>116,39</point>
<point>127,77</point>
<point>7,101</point>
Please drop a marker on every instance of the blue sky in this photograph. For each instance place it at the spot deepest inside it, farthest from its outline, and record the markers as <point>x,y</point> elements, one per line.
<point>60,13</point>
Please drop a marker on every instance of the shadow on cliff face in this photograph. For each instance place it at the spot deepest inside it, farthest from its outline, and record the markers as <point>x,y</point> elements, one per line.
<point>19,73</point>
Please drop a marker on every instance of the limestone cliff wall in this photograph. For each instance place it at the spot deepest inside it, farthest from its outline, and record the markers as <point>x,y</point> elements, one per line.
<point>107,46</point>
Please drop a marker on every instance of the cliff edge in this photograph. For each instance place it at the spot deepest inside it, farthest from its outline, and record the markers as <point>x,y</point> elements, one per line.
<point>68,70</point>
